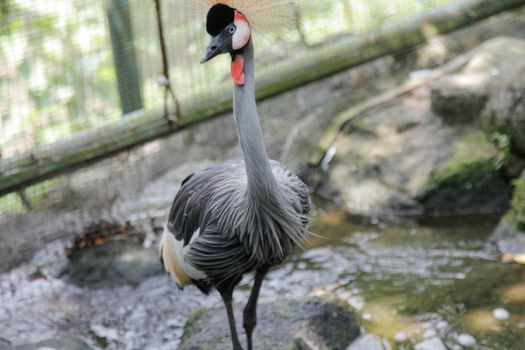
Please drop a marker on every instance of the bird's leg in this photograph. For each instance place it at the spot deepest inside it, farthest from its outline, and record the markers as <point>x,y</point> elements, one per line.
<point>226,295</point>
<point>250,311</point>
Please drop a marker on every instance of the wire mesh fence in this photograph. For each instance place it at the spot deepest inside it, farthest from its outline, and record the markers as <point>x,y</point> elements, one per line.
<point>72,65</point>
<point>65,62</point>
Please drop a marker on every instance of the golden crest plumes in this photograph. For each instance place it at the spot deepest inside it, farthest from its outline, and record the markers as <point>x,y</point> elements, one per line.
<point>263,15</point>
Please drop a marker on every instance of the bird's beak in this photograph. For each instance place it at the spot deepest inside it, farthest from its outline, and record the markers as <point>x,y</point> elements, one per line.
<point>218,45</point>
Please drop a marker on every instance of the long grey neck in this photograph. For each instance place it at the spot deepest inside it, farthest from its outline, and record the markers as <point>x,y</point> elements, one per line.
<point>261,181</point>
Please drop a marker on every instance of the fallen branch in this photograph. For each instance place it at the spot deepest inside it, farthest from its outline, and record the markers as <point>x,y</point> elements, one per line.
<point>350,117</point>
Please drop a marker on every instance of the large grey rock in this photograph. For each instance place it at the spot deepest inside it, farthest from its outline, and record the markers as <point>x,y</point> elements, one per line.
<point>490,91</point>
<point>505,111</point>
<point>322,323</point>
<point>5,344</point>
<point>469,182</point>
<point>112,264</point>
<point>58,343</point>
<point>504,58</point>
<point>402,160</point>
<point>460,98</point>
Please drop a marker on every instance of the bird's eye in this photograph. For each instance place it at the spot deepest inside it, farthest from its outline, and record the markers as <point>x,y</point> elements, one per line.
<point>232,29</point>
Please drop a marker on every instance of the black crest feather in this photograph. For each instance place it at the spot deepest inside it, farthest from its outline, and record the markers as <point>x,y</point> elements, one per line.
<point>218,18</point>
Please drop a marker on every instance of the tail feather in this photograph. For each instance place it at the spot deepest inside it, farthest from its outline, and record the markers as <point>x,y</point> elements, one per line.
<point>169,259</point>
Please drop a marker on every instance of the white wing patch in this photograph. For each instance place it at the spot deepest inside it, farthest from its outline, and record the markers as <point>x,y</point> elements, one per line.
<point>180,254</point>
<point>173,255</point>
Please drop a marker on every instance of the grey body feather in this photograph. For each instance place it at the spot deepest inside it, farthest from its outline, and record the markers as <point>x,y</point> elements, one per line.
<point>250,213</point>
<point>237,233</point>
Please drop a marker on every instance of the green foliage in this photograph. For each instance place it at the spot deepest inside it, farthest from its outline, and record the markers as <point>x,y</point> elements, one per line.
<point>61,68</point>
<point>35,195</point>
<point>4,9</point>
<point>60,72</point>
<point>503,143</point>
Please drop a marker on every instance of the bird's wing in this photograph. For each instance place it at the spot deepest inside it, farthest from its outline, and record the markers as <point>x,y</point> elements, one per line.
<point>185,213</point>
<point>194,203</point>
<point>222,258</point>
<point>294,189</point>
<point>193,221</point>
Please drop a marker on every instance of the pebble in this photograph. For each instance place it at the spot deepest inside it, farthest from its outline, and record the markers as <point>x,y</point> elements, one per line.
<point>357,302</point>
<point>431,344</point>
<point>400,337</point>
<point>466,340</point>
<point>442,325</point>
<point>343,294</point>
<point>367,317</point>
<point>500,314</point>
<point>430,333</point>
<point>104,332</point>
<point>367,342</point>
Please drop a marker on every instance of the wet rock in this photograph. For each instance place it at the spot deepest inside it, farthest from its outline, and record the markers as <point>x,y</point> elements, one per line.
<point>324,323</point>
<point>431,344</point>
<point>369,342</point>
<point>510,233</point>
<point>500,314</point>
<point>466,340</point>
<point>58,343</point>
<point>400,337</point>
<point>468,181</point>
<point>116,263</point>
<point>5,344</point>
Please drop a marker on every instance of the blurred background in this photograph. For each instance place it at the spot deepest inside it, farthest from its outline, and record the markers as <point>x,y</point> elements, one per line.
<point>406,119</point>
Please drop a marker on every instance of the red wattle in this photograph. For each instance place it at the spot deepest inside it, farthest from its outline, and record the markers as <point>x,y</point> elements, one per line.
<point>237,70</point>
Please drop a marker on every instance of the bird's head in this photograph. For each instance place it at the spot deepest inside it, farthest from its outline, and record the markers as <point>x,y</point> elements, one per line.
<point>229,29</point>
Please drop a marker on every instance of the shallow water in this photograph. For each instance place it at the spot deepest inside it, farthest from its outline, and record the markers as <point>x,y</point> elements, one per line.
<point>424,282</point>
<point>413,285</point>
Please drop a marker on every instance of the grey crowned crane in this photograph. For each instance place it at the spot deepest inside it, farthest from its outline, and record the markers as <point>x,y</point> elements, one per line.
<point>244,215</point>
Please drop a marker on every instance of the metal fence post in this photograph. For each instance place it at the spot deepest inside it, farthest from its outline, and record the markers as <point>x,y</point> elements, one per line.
<point>124,57</point>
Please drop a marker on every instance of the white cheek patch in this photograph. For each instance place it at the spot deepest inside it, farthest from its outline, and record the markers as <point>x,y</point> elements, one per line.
<point>242,34</point>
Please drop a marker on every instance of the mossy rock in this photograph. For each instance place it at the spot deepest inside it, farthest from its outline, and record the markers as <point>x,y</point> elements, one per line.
<point>502,60</point>
<point>510,233</point>
<point>469,181</point>
<point>518,203</point>
<point>327,322</point>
